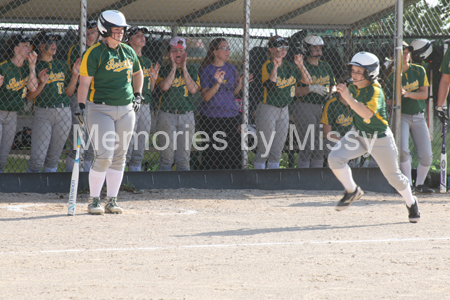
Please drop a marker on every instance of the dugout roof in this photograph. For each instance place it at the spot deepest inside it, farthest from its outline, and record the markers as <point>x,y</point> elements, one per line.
<point>324,14</point>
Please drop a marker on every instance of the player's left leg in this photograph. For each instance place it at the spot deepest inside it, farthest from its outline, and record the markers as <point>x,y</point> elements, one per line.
<point>385,153</point>
<point>281,118</point>
<point>8,124</point>
<point>186,126</point>
<point>421,139</point>
<point>60,132</point>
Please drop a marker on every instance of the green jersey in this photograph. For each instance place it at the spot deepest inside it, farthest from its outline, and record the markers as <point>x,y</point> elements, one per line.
<point>372,97</point>
<point>146,64</point>
<point>338,116</point>
<point>14,88</point>
<point>54,92</point>
<point>177,98</point>
<point>445,65</point>
<point>288,78</point>
<point>320,75</point>
<point>414,78</point>
<point>112,71</point>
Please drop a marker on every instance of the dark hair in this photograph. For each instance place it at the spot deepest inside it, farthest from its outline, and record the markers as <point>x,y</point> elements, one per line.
<point>270,42</point>
<point>13,42</point>
<point>213,46</point>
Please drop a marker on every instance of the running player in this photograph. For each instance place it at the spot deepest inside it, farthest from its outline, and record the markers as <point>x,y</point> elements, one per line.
<point>280,82</point>
<point>52,114</point>
<point>178,83</point>
<point>74,53</point>
<point>143,124</point>
<point>371,133</point>
<point>16,78</point>
<point>307,111</point>
<point>414,93</point>
<point>111,78</point>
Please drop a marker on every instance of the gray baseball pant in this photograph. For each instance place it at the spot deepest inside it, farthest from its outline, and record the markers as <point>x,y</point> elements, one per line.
<point>8,124</point>
<point>139,143</point>
<point>270,120</point>
<point>383,150</point>
<point>110,129</point>
<point>417,126</point>
<point>177,144</point>
<point>50,129</point>
<point>307,117</point>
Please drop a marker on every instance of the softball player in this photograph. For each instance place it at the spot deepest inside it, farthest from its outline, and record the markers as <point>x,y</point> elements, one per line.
<point>280,83</point>
<point>178,83</point>
<point>307,111</point>
<point>16,78</point>
<point>337,119</point>
<point>139,142</point>
<point>414,93</point>
<point>444,84</point>
<point>111,79</point>
<point>74,53</point>
<point>52,114</point>
<point>370,133</point>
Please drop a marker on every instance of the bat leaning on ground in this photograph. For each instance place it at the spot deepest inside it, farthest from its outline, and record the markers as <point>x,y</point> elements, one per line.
<point>443,179</point>
<point>74,181</point>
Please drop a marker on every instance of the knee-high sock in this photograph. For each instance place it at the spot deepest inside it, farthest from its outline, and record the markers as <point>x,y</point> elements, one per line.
<point>113,181</point>
<point>421,174</point>
<point>407,195</point>
<point>405,167</point>
<point>344,175</point>
<point>96,180</point>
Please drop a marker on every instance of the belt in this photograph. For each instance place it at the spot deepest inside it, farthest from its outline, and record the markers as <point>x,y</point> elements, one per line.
<point>177,111</point>
<point>372,135</point>
<point>57,105</point>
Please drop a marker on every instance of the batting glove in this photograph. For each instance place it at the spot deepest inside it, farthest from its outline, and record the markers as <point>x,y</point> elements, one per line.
<point>137,101</point>
<point>318,89</point>
<point>79,113</point>
<point>442,113</point>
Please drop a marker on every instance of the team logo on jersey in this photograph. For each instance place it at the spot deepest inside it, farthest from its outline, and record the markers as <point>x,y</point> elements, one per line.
<point>344,121</point>
<point>56,77</point>
<point>179,81</point>
<point>321,80</point>
<point>119,66</point>
<point>285,82</point>
<point>411,86</point>
<point>17,85</point>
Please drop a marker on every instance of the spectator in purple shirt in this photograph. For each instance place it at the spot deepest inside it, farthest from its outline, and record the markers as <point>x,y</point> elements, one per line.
<point>220,118</point>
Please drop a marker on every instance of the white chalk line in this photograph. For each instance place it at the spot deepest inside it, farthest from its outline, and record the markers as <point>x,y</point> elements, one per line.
<point>230,245</point>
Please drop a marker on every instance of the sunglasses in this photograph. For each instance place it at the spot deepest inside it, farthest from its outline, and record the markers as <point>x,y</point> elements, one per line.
<point>224,48</point>
<point>282,48</point>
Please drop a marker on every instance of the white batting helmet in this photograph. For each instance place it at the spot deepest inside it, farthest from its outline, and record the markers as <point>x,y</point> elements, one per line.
<point>312,40</point>
<point>109,19</point>
<point>421,49</point>
<point>367,61</point>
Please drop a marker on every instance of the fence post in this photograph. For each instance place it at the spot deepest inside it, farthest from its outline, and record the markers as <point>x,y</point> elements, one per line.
<point>245,104</point>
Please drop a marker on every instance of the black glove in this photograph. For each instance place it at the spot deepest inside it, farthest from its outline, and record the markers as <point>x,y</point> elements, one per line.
<point>79,113</point>
<point>442,113</point>
<point>137,101</point>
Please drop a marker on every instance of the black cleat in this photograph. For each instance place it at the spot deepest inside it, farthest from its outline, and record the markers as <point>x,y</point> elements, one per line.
<point>424,189</point>
<point>413,212</point>
<point>348,198</point>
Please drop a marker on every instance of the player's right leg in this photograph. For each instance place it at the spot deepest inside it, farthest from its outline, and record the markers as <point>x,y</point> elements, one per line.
<point>166,128</point>
<point>281,117</point>
<point>8,124</point>
<point>40,138</point>
<point>265,128</point>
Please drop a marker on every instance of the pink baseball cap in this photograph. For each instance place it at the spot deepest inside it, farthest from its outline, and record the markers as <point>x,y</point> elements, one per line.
<point>178,42</point>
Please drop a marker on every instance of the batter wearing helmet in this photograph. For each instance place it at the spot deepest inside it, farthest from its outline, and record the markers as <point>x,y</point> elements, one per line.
<point>307,111</point>
<point>74,53</point>
<point>52,115</point>
<point>16,78</point>
<point>370,133</point>
<point>414,93</point>
<point>143,124</point>
<point>111,79</point>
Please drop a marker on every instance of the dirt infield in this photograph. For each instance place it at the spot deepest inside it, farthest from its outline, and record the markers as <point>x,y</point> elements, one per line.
<point>226,244</point>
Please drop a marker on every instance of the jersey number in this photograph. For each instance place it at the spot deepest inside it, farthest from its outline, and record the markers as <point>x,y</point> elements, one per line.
<point>60,87</point>
<point>129,76</point>
<point>293,91</point>
<point>24,94</point>
<point>186,91</point>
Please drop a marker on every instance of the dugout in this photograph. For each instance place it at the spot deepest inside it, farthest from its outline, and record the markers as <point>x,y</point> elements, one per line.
<point>347,26</point>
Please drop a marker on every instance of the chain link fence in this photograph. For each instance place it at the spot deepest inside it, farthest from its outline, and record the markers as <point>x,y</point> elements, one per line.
<point>283,124</point>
